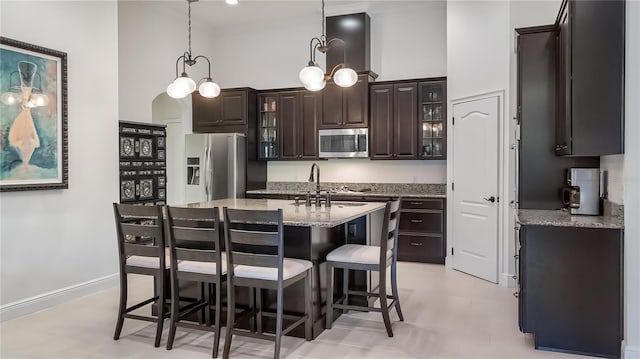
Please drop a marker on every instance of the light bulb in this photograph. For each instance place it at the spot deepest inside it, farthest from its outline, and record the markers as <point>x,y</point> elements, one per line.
<point>315,86</point>
<point>311,75</point>
<point>209,89</point>
<point>171,91</point>
<point>184,85</point>
<point>345,77</point>
<point>232,2</point>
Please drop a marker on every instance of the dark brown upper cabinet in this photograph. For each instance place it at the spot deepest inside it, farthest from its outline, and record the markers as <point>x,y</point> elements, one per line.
<point>346,107</point>
<point>289,130</point>
<point>300,112</point>
<point>394,121</point>
<point>590,117</point>
<point>229,112</point>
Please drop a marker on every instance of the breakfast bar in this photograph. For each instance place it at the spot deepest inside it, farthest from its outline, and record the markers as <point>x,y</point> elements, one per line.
<point>310,233</point>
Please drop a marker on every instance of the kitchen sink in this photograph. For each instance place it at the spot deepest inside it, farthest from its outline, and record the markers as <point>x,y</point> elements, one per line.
<point>335,204</point>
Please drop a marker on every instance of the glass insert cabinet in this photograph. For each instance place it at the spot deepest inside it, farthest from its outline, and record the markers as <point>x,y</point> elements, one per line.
<point>268,127</point>
<point>433,120</point>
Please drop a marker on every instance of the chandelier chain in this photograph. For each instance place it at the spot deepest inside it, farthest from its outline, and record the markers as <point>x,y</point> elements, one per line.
<point>189,29</point>
<point>323,23</point>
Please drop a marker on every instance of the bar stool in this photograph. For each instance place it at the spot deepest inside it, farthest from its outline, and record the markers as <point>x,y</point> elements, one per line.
<point>146,256</point>
<point>369,258</point>
<point>196,255</point>
<point>255,257</point>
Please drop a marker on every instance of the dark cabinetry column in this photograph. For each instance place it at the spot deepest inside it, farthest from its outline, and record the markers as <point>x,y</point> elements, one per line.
<point>405,120</point>
<point>289,117</point>
<point>381,127</point>
<point>311,115</point>
<point>591,63</point>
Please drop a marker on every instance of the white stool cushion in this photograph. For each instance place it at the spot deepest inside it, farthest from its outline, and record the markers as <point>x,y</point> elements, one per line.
<point>291,267</point>
<point>147,262</point>
<point>356,253</point>
<point>202,267</point>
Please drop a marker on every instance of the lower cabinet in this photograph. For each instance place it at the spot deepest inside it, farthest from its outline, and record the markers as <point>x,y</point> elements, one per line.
<point>422,230</point>
<point>570,295</point>
<point>421,236</point>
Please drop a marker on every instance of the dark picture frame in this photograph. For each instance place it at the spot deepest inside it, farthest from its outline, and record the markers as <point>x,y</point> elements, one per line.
<point>33,117</point>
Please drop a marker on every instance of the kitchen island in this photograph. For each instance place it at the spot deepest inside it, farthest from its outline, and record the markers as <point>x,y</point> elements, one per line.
<point>310,233</point>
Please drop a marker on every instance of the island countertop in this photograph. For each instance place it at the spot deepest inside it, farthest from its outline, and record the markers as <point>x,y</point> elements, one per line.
<point>300,216</point>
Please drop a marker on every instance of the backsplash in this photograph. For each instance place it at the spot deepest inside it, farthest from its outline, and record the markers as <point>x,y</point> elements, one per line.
<point>433,188</point>
<point>360,171</point>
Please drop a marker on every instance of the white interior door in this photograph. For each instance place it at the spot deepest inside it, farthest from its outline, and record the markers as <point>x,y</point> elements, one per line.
<point>476,184</point>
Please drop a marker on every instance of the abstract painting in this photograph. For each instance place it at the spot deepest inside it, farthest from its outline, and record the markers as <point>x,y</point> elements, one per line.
<point>33,117</point>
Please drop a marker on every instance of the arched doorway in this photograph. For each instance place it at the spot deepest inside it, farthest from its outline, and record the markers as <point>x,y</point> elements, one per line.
<point>176,115</point>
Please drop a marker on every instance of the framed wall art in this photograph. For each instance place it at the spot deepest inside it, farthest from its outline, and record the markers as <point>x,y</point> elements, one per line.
<point>33,117</point>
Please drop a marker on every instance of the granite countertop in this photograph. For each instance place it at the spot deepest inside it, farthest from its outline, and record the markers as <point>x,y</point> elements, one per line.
<point>351,194</point>
<point>429,190</point>
<point>561,218</point>
<point>300,216</point>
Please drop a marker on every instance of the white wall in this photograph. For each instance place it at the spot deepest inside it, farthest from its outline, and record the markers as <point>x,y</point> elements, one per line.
<point>150,39</point>
<point>408,40</point>
<point>60,238</point>
<point>632,185</point>
<point>478,44</point>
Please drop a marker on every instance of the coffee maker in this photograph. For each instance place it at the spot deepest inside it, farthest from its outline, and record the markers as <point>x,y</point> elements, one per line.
<point>582,193</point>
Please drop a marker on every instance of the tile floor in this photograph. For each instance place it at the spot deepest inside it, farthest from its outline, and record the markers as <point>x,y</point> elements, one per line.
<point>447,315</point>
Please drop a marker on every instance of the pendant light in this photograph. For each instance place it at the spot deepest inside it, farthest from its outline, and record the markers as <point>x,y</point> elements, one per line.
<point>183,85</point>
<point>313,77</point>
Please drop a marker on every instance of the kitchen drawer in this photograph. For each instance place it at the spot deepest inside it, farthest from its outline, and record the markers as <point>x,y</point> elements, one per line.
<point>422,203</point>
<point>423,222</point>
<point>425,248</point>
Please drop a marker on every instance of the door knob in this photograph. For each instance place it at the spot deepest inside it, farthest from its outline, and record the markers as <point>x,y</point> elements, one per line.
<point>491,199</point>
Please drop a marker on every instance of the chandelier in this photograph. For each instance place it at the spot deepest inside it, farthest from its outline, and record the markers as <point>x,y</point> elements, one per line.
<point>313,77</point>
<point>183,85</point>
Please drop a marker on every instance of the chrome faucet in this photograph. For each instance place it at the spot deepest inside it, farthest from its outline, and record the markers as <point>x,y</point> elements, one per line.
<point>311,178</point>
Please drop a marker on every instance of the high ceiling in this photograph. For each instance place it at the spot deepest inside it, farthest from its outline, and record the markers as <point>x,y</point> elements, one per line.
<point>216,13</point>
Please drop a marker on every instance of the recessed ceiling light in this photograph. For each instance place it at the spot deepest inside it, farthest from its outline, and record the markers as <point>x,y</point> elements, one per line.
<point>232,2</point>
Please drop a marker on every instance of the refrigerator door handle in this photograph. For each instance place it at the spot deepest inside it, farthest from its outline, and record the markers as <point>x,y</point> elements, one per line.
<point>206,171</point>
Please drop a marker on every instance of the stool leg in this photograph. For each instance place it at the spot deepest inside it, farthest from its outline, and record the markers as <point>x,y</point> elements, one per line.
<point>345,289</point>
<point>383,302</point>
<point>122,308</point>
<point>394,289</point>
<point>175,311</point>
<point>216,337</point>
<point>308,323</point>
<point>252,305</point>
<point>259,308</point>
<point>161,308</point>
<point>279,314</point>
<point>231,318</point>
<point>329,295</point>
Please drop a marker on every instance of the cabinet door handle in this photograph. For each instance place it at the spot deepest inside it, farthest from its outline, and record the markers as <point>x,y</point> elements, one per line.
<point>415,244</point>
<point>416,221</point>
<point>416,203</point>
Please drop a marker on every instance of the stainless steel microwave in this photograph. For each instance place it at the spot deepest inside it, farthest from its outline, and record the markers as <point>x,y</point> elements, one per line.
<point>344,143</point>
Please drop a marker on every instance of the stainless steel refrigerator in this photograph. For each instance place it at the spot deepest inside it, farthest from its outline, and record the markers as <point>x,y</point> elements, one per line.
<point>216,166</point>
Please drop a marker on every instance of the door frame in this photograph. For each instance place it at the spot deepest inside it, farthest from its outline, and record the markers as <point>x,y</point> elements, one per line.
<point>504,277</point>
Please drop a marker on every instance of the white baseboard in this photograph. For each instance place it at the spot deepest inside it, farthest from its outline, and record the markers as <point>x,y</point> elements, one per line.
<point>39,302</point>
<point>508,281</point>
<point>630,352</point>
